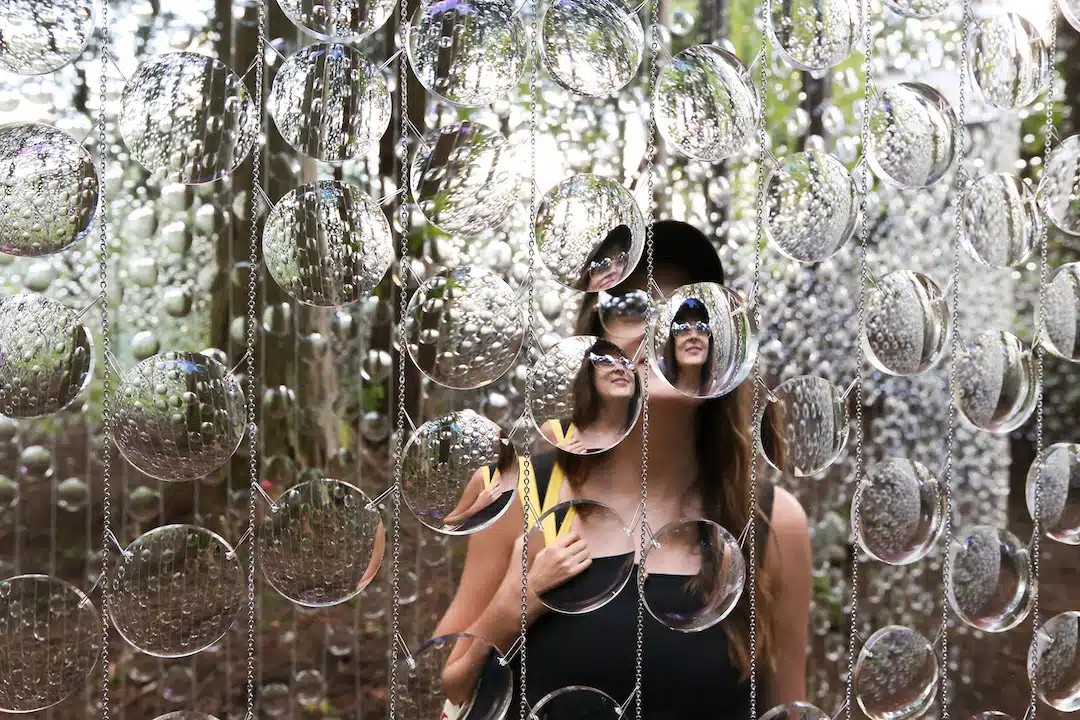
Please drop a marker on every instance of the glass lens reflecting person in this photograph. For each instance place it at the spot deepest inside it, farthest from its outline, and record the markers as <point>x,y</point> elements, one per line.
<point>605,395</point>
<point>688,354</point>
<point>699,467</point>
<point>607,264</point>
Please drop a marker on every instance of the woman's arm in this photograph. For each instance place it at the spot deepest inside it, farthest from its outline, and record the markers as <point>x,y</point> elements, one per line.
<point>788,561</point>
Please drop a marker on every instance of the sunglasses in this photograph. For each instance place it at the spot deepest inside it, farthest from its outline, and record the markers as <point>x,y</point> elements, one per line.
<point>611,361</point>
<point>682,328</point>
<point>605,264</point>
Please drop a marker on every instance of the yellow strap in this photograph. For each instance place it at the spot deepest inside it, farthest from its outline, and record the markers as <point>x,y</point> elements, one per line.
<point>551,499</point>
<point>488,476</point>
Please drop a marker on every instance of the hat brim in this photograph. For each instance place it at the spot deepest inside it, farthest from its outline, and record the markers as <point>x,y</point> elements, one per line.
<point>679,244</point>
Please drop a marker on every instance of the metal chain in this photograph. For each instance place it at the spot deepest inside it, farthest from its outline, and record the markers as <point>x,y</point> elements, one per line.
<point>650,181</point>
<point>864,231</point>
<point>530,339</point>
<point>253,430</point>
<point>954,311</point>
<point>403,304</point>
<point>1040,352</point>
<point>106,410</point>
<point>755,432</point>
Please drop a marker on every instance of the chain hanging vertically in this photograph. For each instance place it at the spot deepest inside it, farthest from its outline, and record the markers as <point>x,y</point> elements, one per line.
<point>252,427</point>
<point>954,312</point>
<point>763,159</point>
<point>403,304</point>
<point>650,181</point>
<point>106,419</point>
<point>1040,356</point>
<point>530,340</point>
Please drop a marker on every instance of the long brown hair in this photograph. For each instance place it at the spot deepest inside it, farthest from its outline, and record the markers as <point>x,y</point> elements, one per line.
<point>723,445</point>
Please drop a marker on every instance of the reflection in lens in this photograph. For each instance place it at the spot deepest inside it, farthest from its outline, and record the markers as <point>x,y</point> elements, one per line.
<point>605,543</point>
<point>1002,220</point>
<point>804,426</point>
<point>459,473</point>
<point>811,207</point>
<point>1010,61</point>
<point>588,395</point>
<point>990,587</point>
<point>816,34</point>
<point>795,711</point>
<point>1059,498</point>
<point>323,545</point>
<point>911,135</point>
<point>1055,655</point>
<point>694,575</point>
<point>576,703</point>
<point>477,685</point>
<point>592,47</point>
<point>704,342</point>
<point>896,674</point>
<point>907,324</point>
<point>996,389</point>
<point>1058,186</point>
<point>624,315</point>
<point>897,511</point>
<point>1061,316</point>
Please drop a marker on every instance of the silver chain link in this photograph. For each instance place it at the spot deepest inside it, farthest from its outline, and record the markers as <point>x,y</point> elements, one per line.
<point>864,276</point>
<point>403,304</point>
<point>253,430</point>
<point>106,410</point>
<point>755,289</point>
<point>650,181</point>
<point>530,339</point>
<point>1040,352</point>
<point>954,311</point>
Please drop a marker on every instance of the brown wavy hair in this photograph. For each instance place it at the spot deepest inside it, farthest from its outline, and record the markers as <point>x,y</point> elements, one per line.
<point>723,442</point>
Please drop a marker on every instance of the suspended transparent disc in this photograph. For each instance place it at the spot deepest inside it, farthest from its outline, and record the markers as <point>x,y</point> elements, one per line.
<point>188,118</point>
<point>624,314</point>
<point>587,395</point>
<point>1061,316</point>
<point>911,135</point>
<point>694,575</point>
<point>997,389</point>
<point>1055,655</point>
<point>896,674</point>
<point>179,416</point>
<point>341,20</point>
<point>323,545</point>
<point>576,702</point>
<point>46,356</point>
<point>1058,185</point>
<point>901,508</point>
<point>991,578</point>
<point>795,711</point>
<point>704,342</point>
<point>580,556</point>
<point>185,715</point>
<point>1002,220</point>
<point>705,107</point>
<point>805,428</point>
<point>50,190</point>
<point>329,102</point>
<point>464,178</point>
<point>50,642</point>
<point>327,244</point>
<point>590,232</point>
<point>811,207</point>
<point>591,47</point>
<point>470,52</point>
<point>464,327</point>
<point>1070,9</point>
<point>991,715</point>
<point>1010,61</point>
<point>459,473</point>
<point>176,591</point>
<point>907,324</point>
<point>477,686</point>
<point>917,8</point>
<point>1059,500</point>
<point>815,34</point>
<point>41,36</point>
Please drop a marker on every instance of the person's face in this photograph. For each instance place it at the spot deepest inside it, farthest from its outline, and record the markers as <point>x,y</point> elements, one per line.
<point>606,270</point>
<point>668,279</point>
<point>613,374</point>
<point>691,338</point>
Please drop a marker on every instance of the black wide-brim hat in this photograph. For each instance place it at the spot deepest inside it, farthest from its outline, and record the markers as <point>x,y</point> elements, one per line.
<point>683,245</point>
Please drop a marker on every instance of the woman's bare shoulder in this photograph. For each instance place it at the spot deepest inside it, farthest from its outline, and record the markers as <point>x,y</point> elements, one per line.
<point>789,544</point>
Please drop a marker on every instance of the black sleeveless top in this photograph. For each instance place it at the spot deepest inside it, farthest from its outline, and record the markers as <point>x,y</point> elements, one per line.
<point>685,675</point>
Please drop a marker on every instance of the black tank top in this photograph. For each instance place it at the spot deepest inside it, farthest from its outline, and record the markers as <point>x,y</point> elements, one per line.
<point>685,676</point>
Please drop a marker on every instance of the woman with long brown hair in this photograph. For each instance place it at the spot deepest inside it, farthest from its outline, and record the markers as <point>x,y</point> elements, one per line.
<point>699,467</point>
